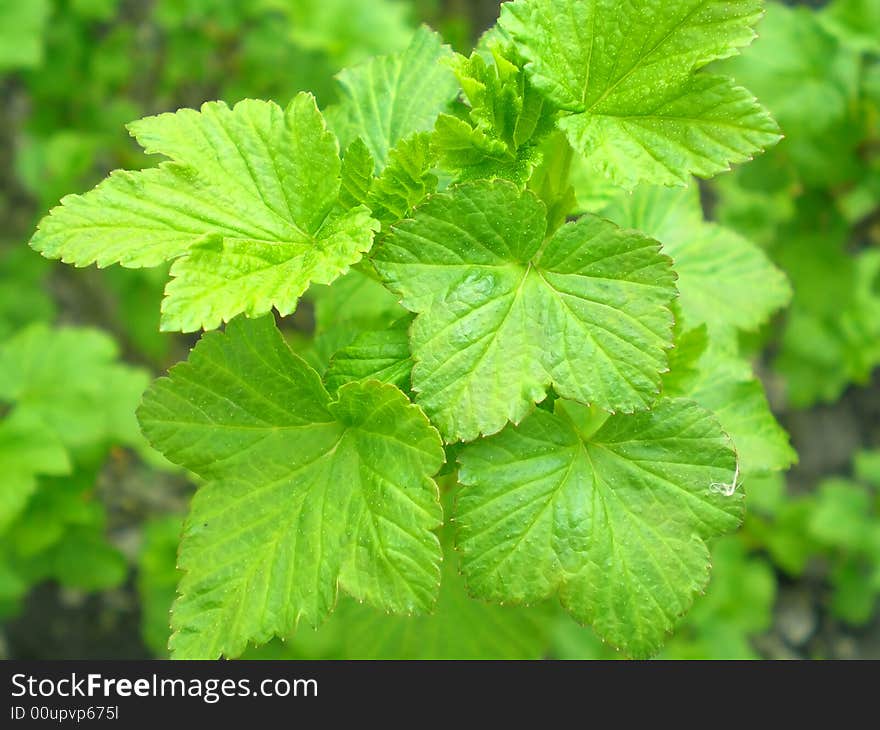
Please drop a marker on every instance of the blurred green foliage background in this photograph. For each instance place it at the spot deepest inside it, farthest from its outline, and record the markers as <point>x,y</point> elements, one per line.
<point>90,516</point>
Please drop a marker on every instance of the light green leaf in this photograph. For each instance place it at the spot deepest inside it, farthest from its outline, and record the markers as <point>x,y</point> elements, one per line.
<point>727,387</point>
<point>626,75</point>
<point>855,22</point>
<point>304,492</point>
<point>70,376</point>
<point>157,579</point>
<point>504,314</point>
<point>357,175</point>
<point>347,29</point>
<point>796,65</point>
<point>22,24</point>
<point>352,306</point>
<point>508,118</point>
<point>684,358</point>
<point>392,97</point>
<point>461,628</point>
<point>247,210</point>
<point>609,512</point>
<point>406,181</point>
<point>382,356</point>
<point>28,448</point>
<point>726,282</point>
<point>844,516</point>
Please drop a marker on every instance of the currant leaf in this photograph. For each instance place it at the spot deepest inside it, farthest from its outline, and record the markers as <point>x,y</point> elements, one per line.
<point>611,513</point>
<point>504,314</point>
<point>626,75</point>
<point>392,97</point>
<point>247,209</point>
<point>304,492</point>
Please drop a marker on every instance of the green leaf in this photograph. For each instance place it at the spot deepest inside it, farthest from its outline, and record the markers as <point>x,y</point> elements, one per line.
<point>84,560</point>
<point>60,536</point>
<point>626,75</point>
<point>389,98</point>
<point>610,512</point>
<point>459,629</point>
<point>354,301</point>
<point>738,605</point>
<point>795,66</point>
<point>684,359</point>
<point>867,467</point>
<point>304,492</point>
<point>70,379</point>
<point>357,175</point>
<point>855,22</point>
<point>352,306</point>
<point>832,336</point>
<point>504,314</point>
<point>725,281</point>
<point>854,599</point>
<point>61,504</point>
<point>382,356</point>
<point>347,29</point>
<point>22,25</point>
<point>28,448</point>
<point>727,387</point>
<point>406,181</point>
<point>843,516</point>
<point>247,210</point>
<point>157,579</point>
<point>508,118</point>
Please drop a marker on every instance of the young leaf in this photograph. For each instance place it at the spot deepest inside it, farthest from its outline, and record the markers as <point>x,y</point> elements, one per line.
<point>304,492</point>
<point>508,117</point>
<point>610,512</point>
<point>406,181</point>
<point>247,210</point>
<point>504,313</point>
<point>382,356</point>
<point>725,281</point>
<point>390,98</point>
<point>357,175</point>
<point>626,75</point>
<point>354,305</point>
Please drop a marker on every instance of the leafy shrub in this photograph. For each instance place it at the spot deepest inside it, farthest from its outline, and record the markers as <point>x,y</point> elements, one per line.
<point>511,389</point>
<point>604,494</point>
